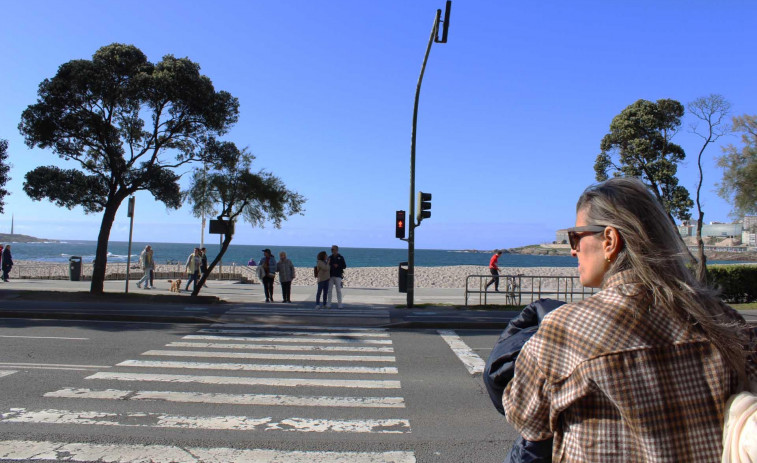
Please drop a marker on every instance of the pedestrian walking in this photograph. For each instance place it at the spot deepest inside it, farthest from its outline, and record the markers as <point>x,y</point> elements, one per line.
<point>641,370</point>
<point>204,265</point>
<point>7,262</point>
<point>336,268</point>
<point>147,264</point>
<point>193,269</point>
<point>323,276</point>
<point>285,268</point>
<point>494,269</point>
<point>269,273</point>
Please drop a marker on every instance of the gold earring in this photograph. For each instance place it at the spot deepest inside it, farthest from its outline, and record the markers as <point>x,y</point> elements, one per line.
<point>608,259</point>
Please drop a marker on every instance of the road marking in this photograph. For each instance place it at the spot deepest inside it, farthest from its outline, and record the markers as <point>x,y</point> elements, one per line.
<point>252,355</point>
<point>52,366</point>
<point>233,399</point>
<point>334,334</point>
<point>307,328</point>
<point>215,345</point>
<point>257,367</point>
<point>124,453</point>
<point>45,337</point>
<point>249,381</point>
<point>233,423</point>
<point>470,359</point>
<point>7,372</point>
<point>289,340</point>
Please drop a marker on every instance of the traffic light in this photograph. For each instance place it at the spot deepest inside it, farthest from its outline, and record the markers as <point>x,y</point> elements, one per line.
<point>424,206</point>
<point>400,224</point>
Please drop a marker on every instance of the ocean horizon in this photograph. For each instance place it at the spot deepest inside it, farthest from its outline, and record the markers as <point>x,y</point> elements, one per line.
<point>301,256</point>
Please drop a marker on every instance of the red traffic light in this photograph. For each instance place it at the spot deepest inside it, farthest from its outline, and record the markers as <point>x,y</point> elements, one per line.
<point>400,224</point>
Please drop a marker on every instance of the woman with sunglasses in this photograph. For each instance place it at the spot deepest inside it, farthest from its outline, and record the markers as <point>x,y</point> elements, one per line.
<point>640,371</point>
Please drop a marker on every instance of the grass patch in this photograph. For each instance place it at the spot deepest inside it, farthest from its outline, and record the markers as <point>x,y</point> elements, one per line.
<point>745,306</point>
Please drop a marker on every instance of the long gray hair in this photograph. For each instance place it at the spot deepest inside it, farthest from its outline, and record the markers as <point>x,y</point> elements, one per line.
<point>655,253</point>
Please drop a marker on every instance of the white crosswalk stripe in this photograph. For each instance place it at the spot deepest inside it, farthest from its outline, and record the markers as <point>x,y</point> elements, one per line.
<point>287,340</point>
<point>253,355</point>
<point>246,329</point>
<point>248,381</point>
<point>282,347</point>
<point>235,423</point>
<point>232,399</point>
<point>334,355</point>
<point>85,452</point>
<point>259,367</point>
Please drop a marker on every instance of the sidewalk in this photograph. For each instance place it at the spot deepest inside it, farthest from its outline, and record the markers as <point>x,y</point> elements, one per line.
<point>222,298</point>
<point>234,302</point>
<point>238,293</point>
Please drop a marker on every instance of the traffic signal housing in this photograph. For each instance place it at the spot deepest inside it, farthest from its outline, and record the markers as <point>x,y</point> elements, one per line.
<point>400,225</point>
<point>424,206</point>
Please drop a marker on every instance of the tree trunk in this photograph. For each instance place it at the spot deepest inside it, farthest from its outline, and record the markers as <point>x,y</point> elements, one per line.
<point>224,247</point>
<point>101,254</point>
<point>701,273</point>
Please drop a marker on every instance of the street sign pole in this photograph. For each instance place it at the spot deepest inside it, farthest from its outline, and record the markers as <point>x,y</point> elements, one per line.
<point>130,214</point>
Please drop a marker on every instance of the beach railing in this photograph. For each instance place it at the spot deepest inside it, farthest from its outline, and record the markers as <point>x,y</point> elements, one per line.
<point>117,271</point>
<point>524,289</point>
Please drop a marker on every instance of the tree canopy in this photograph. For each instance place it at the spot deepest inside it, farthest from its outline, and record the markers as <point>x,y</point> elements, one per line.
<point>640,137</point>
<point>229,188</point>
<point>739,184</point>
<point>4,169</point>
<point>126,123</point>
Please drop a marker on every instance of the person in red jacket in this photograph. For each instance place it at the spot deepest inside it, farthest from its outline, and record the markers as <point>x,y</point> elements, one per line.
<point>494,269</point>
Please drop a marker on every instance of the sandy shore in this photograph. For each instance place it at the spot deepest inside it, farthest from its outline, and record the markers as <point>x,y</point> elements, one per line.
<point>356,277</point>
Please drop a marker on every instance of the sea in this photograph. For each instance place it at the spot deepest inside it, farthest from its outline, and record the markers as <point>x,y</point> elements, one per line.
<point>301,256</point>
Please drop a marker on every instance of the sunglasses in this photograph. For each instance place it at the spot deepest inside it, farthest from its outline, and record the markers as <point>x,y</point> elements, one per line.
<point>576,233</point>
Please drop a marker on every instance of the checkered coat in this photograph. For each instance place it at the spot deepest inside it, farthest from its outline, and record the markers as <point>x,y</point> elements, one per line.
<point>613,379</point>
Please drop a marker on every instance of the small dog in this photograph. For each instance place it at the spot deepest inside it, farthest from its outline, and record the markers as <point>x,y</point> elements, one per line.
<point>175,286</point>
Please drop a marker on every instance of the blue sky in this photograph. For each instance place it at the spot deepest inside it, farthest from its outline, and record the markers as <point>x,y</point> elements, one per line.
<point>512,108</point>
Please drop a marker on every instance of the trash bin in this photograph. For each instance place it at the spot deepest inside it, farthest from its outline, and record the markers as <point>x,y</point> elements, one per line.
<point>403,277</point>
<point>74,268</point>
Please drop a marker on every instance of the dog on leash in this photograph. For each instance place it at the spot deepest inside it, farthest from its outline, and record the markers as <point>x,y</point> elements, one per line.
<point>175,286</point>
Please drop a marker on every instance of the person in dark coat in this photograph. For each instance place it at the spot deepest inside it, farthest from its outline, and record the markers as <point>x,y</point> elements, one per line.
<point>500,369</point>
<point>7,262</point>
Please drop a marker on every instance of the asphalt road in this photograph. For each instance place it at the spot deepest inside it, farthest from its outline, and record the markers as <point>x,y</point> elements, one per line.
<point>81,390</point>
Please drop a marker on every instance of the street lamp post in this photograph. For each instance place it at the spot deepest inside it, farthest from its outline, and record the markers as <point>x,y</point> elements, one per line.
<point>411,219</point>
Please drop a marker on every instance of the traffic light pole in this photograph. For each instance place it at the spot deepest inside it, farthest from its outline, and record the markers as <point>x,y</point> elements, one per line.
<point>411,219</point>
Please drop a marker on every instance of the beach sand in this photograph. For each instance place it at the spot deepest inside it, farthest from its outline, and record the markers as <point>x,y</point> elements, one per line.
<point>356,277</point>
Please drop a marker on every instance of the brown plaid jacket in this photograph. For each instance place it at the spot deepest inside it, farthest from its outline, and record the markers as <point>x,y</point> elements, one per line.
<point>614,380</point>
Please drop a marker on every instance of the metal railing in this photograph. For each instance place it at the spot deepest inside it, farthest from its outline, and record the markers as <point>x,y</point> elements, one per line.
<point>524,289</point>
<point>117,271</point>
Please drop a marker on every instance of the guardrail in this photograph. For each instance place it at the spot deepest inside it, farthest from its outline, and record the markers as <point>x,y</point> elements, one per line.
<point>524,289</point>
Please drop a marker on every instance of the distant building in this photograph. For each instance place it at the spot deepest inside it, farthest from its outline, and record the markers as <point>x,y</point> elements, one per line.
<point>743,232</point>
<point>561,236</point>
<point>714,229</point>
<point>750,223</point>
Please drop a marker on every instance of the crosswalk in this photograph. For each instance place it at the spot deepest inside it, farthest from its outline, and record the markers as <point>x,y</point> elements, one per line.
<point>276,380</point>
